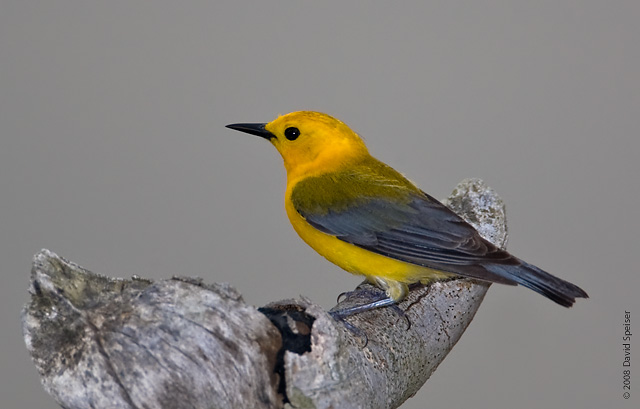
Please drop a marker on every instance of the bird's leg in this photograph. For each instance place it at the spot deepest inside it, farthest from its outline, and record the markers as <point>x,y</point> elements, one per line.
<point>380,299</point>
<point>394,292</point>
<point>356,309</point>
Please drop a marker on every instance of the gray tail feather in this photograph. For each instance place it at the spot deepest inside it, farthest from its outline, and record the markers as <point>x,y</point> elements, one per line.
<point>530,276</point>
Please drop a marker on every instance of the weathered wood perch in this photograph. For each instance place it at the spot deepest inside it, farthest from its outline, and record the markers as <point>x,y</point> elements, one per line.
<point>100,342</point>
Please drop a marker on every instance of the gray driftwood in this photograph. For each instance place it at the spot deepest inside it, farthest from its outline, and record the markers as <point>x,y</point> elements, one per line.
<point>179,343</point>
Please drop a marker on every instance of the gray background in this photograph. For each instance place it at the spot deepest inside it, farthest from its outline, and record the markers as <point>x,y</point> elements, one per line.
<point>113,153</point>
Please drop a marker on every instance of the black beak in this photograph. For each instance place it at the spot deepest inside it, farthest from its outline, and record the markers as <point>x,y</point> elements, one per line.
<point>253,129</point>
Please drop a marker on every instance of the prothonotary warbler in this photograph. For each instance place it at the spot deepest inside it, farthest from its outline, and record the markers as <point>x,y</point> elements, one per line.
<point>367,218</point>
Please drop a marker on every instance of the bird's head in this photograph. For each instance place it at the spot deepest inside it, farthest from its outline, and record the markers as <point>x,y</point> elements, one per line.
<point>309,142</point>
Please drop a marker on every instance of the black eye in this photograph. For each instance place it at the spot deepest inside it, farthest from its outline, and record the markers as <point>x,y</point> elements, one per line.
<point>291,133</point>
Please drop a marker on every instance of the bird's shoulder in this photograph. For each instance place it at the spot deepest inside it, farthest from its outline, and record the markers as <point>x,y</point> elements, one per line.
<point>354,185</point>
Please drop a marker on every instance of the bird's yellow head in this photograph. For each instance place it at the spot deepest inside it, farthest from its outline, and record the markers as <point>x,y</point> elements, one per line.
<point>309,142</point>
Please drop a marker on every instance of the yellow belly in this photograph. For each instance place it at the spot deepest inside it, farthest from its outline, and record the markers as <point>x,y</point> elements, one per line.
<point>391,274</point>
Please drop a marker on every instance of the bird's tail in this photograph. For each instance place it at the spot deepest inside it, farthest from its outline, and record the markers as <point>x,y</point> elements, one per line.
<point>530,276</point>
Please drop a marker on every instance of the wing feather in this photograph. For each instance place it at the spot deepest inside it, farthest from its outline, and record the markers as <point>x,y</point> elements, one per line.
<point>411,226</point>
<point>386,214</point>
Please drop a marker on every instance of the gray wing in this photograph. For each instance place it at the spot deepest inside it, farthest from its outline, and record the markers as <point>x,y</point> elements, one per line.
<point>422,231</point>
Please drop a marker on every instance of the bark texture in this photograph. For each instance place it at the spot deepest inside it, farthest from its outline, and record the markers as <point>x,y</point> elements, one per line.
<point>179,343</point>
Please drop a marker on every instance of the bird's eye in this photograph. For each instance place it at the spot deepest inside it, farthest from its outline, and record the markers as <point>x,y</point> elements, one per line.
<point>291,133</point>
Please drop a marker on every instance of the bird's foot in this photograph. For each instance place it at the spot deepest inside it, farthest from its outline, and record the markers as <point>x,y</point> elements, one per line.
<point>357,332</point>
<point>377,299</point>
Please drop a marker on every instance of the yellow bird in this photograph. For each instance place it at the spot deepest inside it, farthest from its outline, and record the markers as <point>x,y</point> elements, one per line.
<point>368,219</point>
